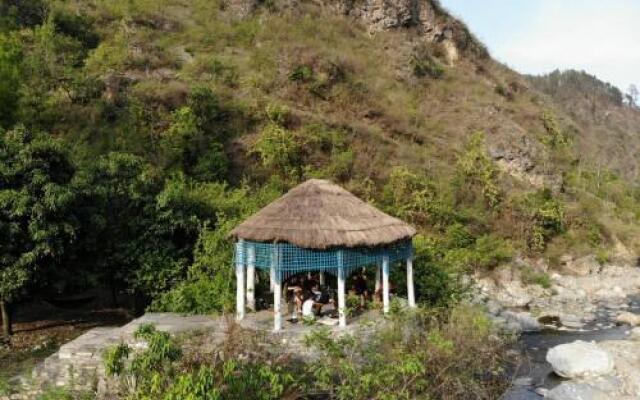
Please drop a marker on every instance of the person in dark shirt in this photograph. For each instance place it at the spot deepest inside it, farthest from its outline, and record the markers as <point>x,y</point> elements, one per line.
<point>360,286</point>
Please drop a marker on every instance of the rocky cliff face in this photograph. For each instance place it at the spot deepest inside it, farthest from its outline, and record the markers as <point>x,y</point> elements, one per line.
<point>429,20</point>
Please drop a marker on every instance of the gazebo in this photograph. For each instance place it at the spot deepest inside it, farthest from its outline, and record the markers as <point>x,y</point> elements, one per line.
<point>319,226</point>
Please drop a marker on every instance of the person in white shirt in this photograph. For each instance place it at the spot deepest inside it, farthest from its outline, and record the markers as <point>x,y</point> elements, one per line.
<point>308,312</point>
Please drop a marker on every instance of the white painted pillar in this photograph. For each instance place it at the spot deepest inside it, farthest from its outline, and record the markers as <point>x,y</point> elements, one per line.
<point>322,280</point>
<point>385,284</point>
<point>251,275</point>
<point>240,279</point>
<point>411,297</point>
<point>342,301</point>
<point>272,272</point>
<point>277,292</point>
<point>277,313</point>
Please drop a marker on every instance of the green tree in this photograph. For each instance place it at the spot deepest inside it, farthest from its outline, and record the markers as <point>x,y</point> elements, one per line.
<point>36,196</point>
<point>116,208</point>
<point>10,73</point>
<point>138,232</point>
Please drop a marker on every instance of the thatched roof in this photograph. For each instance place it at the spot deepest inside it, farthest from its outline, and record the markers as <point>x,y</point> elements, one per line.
<point>318,214</point>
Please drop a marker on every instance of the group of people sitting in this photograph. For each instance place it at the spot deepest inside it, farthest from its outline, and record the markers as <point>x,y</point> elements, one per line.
<point>309,297</point>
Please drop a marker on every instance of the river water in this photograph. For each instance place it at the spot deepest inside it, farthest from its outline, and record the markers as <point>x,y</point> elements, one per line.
<point>536,373</point>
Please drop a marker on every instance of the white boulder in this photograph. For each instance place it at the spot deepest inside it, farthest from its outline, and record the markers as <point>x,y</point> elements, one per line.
<point>579,360</point>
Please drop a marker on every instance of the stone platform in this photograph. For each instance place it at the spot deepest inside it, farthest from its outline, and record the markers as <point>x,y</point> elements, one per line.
<point>79,365</point>
<point>79,362</point>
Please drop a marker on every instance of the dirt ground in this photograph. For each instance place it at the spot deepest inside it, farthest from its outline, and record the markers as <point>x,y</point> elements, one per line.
<point>41,327</point>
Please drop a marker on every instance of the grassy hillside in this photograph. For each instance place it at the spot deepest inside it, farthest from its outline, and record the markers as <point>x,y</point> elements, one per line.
<point>408,111</point>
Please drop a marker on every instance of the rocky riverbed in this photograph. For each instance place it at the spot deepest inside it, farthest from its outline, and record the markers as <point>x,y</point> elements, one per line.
<point>578,333</point>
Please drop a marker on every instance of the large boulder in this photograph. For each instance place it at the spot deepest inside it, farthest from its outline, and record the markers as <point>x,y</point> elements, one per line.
<point>576,391</point>
<point>628,318</point>
<point>579,360</point>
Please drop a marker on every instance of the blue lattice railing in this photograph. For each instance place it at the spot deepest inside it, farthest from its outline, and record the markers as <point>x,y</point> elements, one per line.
<point>291,259</point>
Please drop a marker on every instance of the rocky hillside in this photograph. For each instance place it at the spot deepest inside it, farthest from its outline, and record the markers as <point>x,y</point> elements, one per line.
<point>340,89</point>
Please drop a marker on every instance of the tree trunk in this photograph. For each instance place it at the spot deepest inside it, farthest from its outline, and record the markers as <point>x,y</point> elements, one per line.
<point>6,318</point>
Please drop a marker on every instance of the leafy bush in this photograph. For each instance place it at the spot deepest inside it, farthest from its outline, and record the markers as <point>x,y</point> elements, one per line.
<point>424,64</point>
<point>197,296</point>
<point>301,73</point>
<point>114,358</point>
<point>148,371</point>
<point>602,256</point>
<point>555,136</point>
<point>5,387</point>
<point>155,373</point>
<point>531,276</point>
<point>222,71</point>
<point>194,140</point>
<point>476,170</point>
<point>413,197</point>
<point>541,216</point>
<point>278,149</point>
<point>417,356</point>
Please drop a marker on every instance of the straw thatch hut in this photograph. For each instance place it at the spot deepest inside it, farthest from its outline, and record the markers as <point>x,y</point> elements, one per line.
<point>319,226</point>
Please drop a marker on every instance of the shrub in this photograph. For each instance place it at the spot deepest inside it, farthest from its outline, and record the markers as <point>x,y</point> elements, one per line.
<point>541,216</point>
<point>504,92</point>
<point>222,71</point>
<point>278,148</point>
<point>278,114</point>
<point>301,73</point>
<point>531,276</point>
<point>149,371</point>
<point>155,373</point>
<point>5,387</point>
<point>424,64</point>
<point>114,358</point>
<point>476,170</point>
<point>555,136</point>
<point>197,296</point>
<point>212,165</point>
<point>413,196</point>
<point>434,286</point>
<point>602,256</point>
<point>418,355</point>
